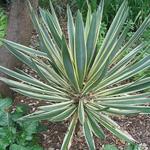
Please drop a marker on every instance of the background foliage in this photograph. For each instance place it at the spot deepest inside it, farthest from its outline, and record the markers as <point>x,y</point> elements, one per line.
<point>3,24</point>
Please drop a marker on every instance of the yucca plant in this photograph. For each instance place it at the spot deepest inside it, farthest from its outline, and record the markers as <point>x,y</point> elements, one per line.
<point>84,84</point>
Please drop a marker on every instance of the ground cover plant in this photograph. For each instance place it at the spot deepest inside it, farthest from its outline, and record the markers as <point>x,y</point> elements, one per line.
<point>3,24</point>
<point>84,84</point>
<point>14,135</point>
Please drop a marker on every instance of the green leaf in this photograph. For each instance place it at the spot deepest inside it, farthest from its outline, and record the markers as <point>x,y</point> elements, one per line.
<point>127,59</point>
<point>37,147</point>
<point>127,88</point>
<point>21,56</point>
<point>21,110</point>
<point>4,143</point>
<point>4,118</point>
<point>88,22</point>
<point>56,106</point>
<point>7,135</point>
<point>124,97</point>
<point>80,49</point>
<point>24,49</point>
<point>4,115</point>
<point>41,96</point>
<point>135,36</point>
<point>17,147</point>
<point>97,130</point>
<point>69,135</point>
<point>71,30</point>
<point>94,31</point>
<point>81,112</point>
<point>109,40</point>
<point>113,127</point>
<point>47,42</point>
<point>55,19</point>
<point>88,135</point>
<point>53,76</point>
<point>3,132</point>
<point>43,115</point>
<point>142,109</point>
<point>64,115</point>
<point>110,147</point>
<point>29,127</point>
<point>127,72</point>
<point>68,64</point>
<point>5,103</point>
<point>91,40</point>
<point>27,79</point>
<point>50,22</point>
<point>129,101</point>
<point>30,88</point>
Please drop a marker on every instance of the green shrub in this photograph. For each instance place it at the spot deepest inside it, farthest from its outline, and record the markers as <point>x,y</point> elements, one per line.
<point>15,135</point>
<point>139,9</point>
<point>84,83</point>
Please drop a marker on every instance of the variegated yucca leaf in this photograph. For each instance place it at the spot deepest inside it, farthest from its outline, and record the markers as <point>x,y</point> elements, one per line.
<point>82,82</point>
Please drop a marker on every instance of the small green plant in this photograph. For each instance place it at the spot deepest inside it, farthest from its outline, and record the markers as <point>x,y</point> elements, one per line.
<point>83,83</point>
<point>3,24</point>
<point>14,135</point>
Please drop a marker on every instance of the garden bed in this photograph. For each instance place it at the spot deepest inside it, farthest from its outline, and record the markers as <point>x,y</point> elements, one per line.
<point>51,139</point>
<point>138,126</point>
